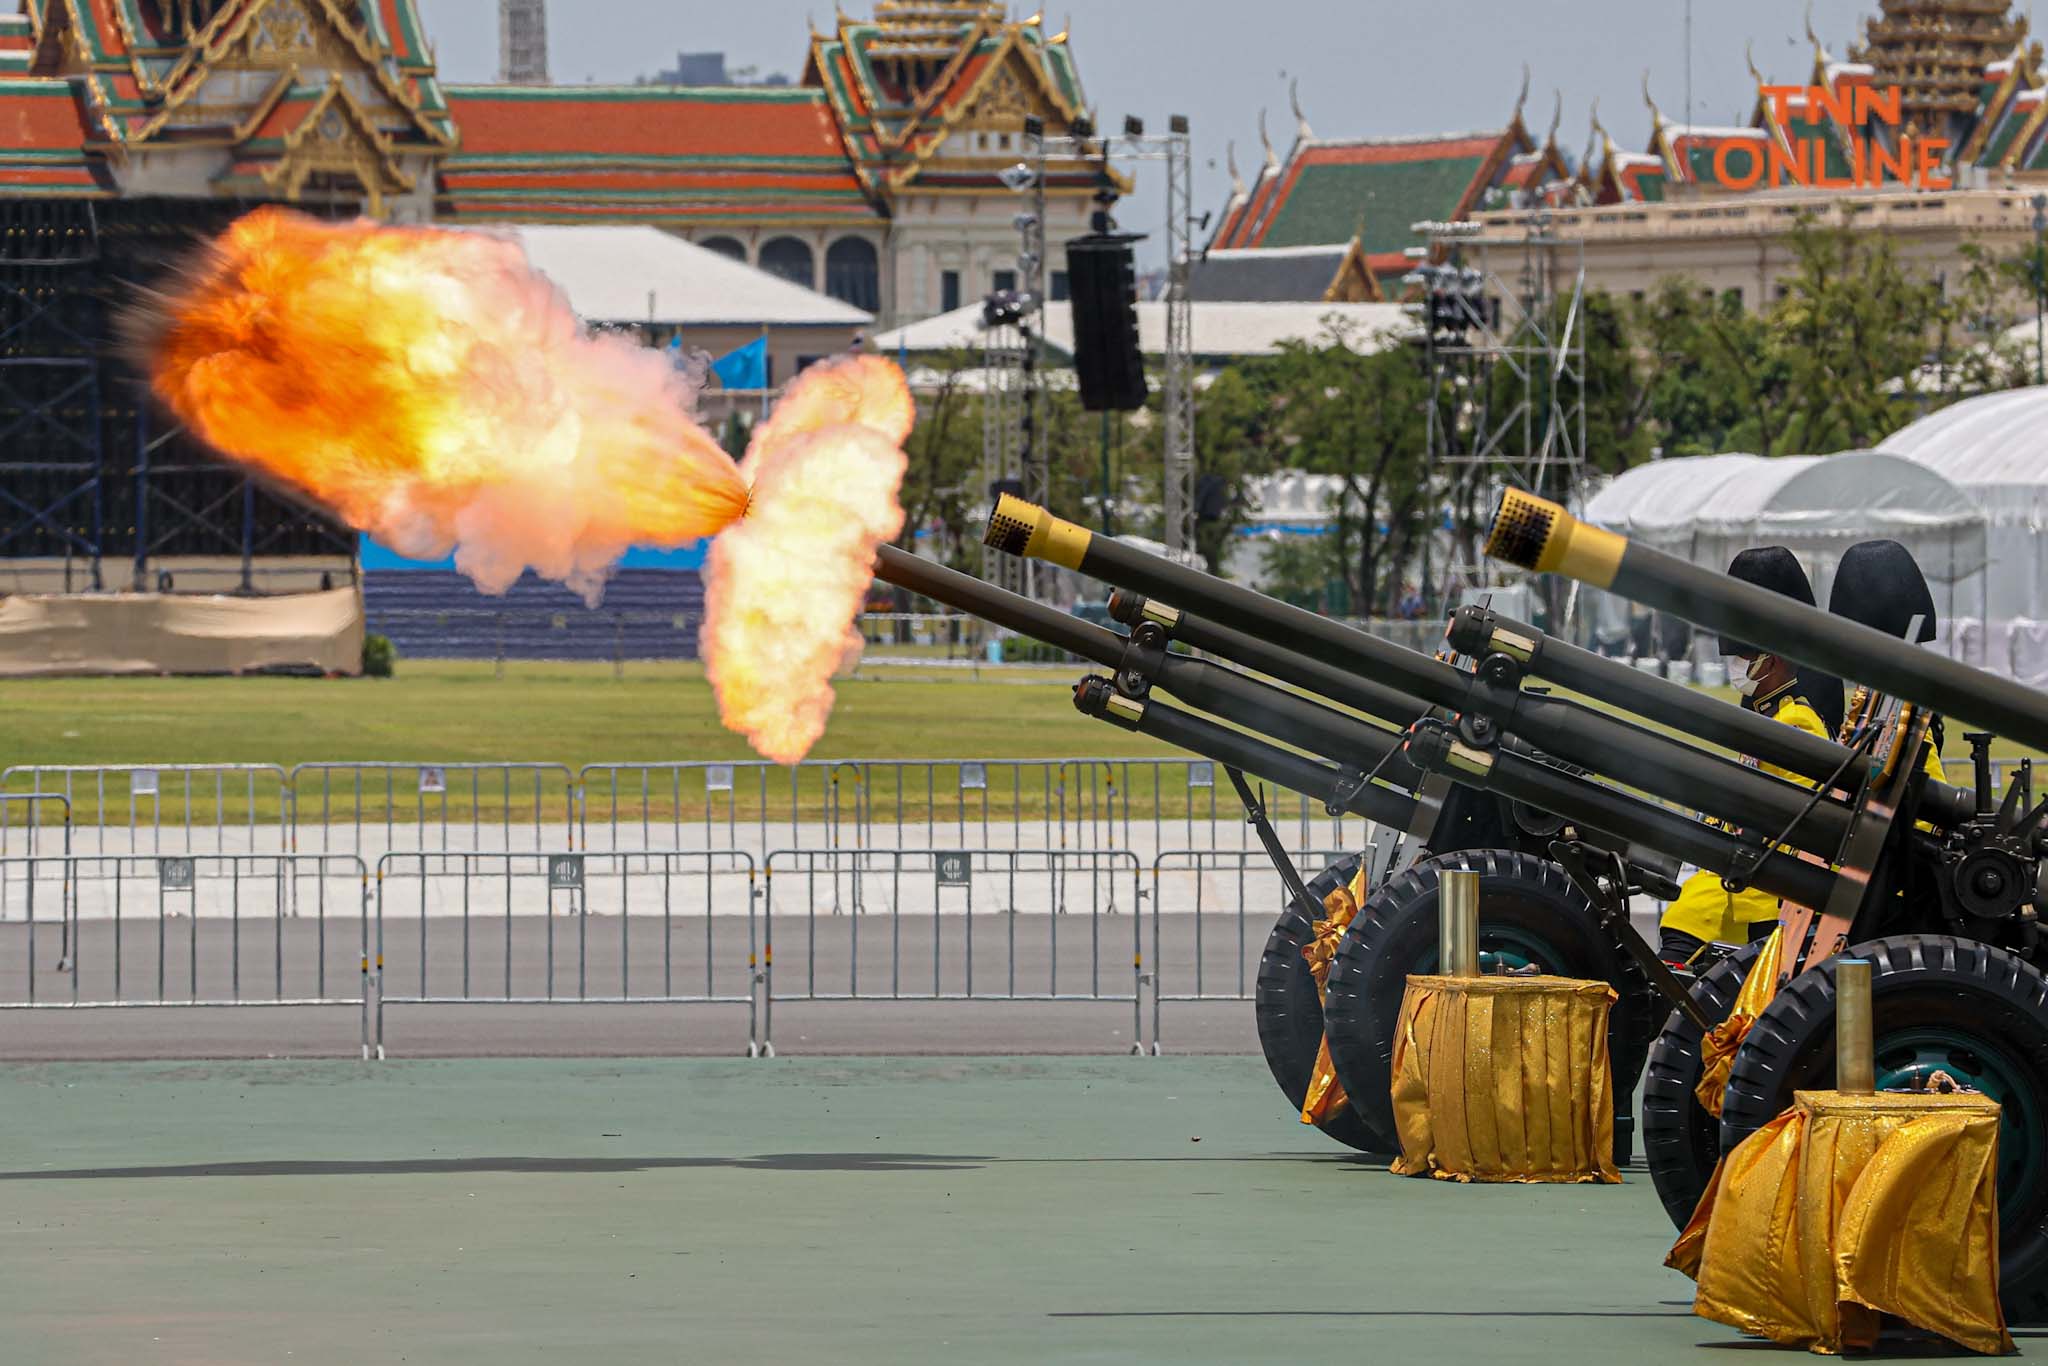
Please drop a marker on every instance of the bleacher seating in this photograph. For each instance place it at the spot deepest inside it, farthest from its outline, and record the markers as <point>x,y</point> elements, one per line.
<point>439,614</point>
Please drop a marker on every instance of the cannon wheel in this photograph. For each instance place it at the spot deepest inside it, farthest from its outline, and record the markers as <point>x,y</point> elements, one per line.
<point>1529,912</point>
<point>1969,1009</point>
<point>1290,1015</point>
<point>1681,1141</point>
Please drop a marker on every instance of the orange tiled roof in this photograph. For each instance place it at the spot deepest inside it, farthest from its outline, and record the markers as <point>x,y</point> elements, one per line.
<point>648,154</point>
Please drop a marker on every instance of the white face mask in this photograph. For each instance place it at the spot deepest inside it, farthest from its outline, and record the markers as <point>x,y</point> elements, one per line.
<point>1751,676</point>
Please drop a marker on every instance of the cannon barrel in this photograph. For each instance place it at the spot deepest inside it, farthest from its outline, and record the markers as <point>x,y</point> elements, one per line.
<point>1619,816</point>
<point>1481,631</point>
<point>1097,697</point>
<point>1567,731</point>
<point>1283,715</point>
<point>1540,535</point>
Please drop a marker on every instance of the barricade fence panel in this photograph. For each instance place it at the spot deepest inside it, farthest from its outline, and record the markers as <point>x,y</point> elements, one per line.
<point>952,925</point>
<point>374,808</point>
<point>183,929</point>
<point>1139,804</point>
<point>1212,911</point>
<point>564,926</point>
<point>166,808</point>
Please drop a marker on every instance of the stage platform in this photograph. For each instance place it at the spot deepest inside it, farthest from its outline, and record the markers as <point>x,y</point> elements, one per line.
<point>881,1210</point>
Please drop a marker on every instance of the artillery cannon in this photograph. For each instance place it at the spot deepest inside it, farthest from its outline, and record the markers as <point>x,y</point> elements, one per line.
<point>1566,808</point>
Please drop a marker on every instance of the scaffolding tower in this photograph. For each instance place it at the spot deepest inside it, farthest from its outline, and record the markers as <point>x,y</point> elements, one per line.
<point>1013,432</point>
<point>1504,327</point>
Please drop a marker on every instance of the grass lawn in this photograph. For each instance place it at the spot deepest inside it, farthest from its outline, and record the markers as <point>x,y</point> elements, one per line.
<point>440,712</point>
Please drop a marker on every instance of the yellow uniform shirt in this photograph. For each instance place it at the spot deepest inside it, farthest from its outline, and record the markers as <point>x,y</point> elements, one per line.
<point>1708,911</point>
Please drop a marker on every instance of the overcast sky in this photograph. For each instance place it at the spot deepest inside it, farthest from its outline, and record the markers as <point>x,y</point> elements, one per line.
<point>1364,66</point>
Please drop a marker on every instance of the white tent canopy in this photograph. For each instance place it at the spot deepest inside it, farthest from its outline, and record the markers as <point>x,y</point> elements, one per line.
<point>644,275</point>
<point>1995,448</point>
<point>1706,509</point>
<point>1219,329</point>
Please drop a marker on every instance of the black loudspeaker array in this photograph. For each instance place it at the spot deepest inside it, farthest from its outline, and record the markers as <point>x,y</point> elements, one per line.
<point>1103,282</point>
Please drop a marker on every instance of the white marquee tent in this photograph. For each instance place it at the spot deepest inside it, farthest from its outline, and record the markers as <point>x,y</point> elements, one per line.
<point>1705,509</point>
<point>1995,448</point>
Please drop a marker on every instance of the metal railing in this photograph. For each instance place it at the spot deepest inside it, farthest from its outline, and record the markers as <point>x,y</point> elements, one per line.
<point>345,807</point>
<point>471,928</point>
<point>166,808</point>
<point>184,930</point>
<point>921,931</point>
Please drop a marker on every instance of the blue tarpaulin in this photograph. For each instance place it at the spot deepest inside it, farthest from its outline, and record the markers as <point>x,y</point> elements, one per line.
<point>691,556</point>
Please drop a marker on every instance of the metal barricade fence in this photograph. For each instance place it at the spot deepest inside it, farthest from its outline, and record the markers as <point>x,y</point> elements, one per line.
<point>185,930</point>
<point>752,805</point>
<point>377,807</point>
<point>25,833</point>
<point>1138,804</point>
<point>157,809</point>
<point>1212,911</point>
<point>916,939</point>
<point>470,928</point>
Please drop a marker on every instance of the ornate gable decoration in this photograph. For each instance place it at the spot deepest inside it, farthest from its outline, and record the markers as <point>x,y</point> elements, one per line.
<point>285,35</point>
<point>337,142</point>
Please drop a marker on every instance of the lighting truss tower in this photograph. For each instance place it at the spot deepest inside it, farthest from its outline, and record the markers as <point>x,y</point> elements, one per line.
<point>1003,380</point>
<point>1505,328</point>
<point>1171,149</point>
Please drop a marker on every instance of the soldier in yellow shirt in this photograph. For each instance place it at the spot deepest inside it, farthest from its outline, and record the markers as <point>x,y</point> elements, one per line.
<point>1706,912</point>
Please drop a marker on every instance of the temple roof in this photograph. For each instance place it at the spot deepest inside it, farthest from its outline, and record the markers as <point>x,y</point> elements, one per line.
<point>44,150</point>
<point>92,76</point>
<point>656,154</point>
<point>1284,275</point>
<point>1376,188</point>
<point>897,102</point>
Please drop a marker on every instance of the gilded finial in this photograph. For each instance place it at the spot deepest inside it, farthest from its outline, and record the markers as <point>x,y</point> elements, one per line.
<point>1656,117</point>
<point>1301,128</point>
<point>1272,161</point>
<point>1061,37</point>
<point>1230,161</point>
<point>1818,50</point>
<point>1037,18</point>
<point>1749,56</point>
<point>1556,117</point>
<point>1522,98</point>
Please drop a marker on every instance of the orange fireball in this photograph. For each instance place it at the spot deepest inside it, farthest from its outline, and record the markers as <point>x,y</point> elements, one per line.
<point>430,388</point>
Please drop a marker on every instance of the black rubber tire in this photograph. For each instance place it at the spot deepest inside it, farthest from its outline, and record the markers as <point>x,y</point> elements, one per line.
<point>1290,1014</point>
<point>1395,934</point>
<point>1681,1141</point>
<point>1981,992</point>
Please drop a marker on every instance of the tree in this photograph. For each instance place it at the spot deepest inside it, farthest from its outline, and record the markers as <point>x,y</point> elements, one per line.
<point>1360,417</point>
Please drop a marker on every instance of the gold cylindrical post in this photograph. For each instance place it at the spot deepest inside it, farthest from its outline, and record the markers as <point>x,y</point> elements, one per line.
<point>1457,901</point>
<point>1855,1040</point>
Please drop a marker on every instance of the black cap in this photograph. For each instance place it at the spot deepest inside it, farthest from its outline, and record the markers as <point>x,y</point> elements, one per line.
<point>1881,586</point>
<point>1776,568</point>
<point>1773,567</point>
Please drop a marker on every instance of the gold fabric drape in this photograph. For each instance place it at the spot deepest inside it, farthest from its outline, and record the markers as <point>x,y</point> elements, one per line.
<point>1847,1207</point>
<point>1504,1079</point>
<point>1717,1049</point>
<point>1325,1093</point>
